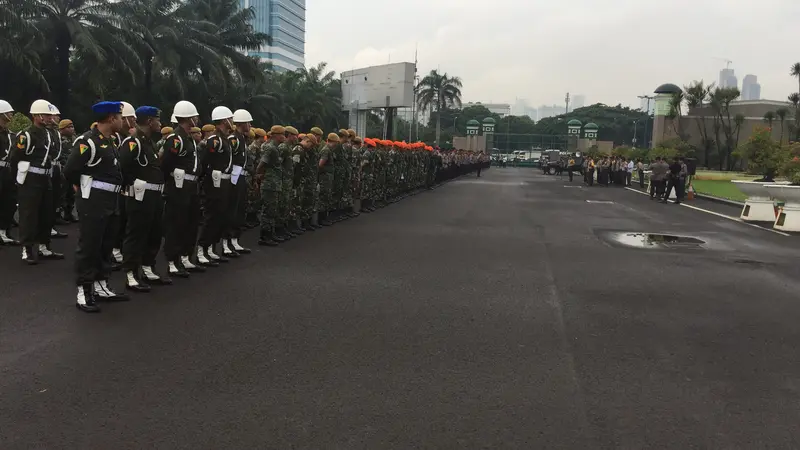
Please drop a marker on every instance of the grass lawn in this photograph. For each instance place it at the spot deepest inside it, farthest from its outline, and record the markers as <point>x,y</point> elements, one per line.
<point>723,176</point>
<point>719,188</point>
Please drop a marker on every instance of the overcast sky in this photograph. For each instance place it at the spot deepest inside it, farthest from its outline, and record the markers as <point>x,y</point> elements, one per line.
<point>609,50</point>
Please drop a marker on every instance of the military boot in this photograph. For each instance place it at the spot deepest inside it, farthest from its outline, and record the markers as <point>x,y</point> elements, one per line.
<point>30,255</point>
<point>85,300</point>
<point>266,238</point>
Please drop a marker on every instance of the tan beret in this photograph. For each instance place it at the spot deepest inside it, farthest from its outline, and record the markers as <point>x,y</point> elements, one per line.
<point>333,137</point>
<point>64,124</point>
<point>208,127</point>
<point>317,131</point>
<point>291,130</point>
<point>277,129</point>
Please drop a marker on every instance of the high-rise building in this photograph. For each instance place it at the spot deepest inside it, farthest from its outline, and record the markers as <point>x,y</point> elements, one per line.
<point>501,109</point>
<point>578,101</point>
<point>727,78</point>
<point>546,111</point>
<point>751,90</point>
<point>285,22</point>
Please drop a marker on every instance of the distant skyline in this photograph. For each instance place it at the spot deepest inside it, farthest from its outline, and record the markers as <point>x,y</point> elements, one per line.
<point>541,61</point>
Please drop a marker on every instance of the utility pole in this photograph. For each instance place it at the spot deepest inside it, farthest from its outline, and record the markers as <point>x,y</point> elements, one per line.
<point>647,122</point>
<point>566,99</point>
<point>634,133</point>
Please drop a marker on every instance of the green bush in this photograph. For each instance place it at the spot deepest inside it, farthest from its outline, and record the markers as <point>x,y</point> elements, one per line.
<point>18,123</point>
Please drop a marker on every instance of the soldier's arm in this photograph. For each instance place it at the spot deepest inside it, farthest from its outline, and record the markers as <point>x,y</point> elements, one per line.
<point>127,158</point>
<point>18,150</point>
<point>78,158</point>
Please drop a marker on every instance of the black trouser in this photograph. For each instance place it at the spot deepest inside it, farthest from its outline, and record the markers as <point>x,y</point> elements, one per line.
<point>677,184</point>
<point>641,178</point>
<point>69,199</point>
<point>237,209</point>
<point>215,211</point>
<point>35,210</point>
<point>8,197</point>
<point>479,171</point>
<point>98,227</point>
<point>569,172</point>
<point>181,219</point>
<point>123,223</point>
<point>57,180</point>
<point>143,230</point>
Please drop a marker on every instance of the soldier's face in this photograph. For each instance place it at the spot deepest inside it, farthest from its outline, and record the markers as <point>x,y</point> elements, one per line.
<point>244,128</point>
<point>116,123</point>
<point>197,137</point>
<point>68,131</point>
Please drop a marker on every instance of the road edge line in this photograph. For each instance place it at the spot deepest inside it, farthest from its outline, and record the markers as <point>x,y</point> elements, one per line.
<point>713,213</point>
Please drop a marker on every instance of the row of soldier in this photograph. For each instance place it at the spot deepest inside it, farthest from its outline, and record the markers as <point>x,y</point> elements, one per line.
<point>194,192</point>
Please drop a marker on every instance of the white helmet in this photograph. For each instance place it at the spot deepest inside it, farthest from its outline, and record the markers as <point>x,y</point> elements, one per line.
<point>127,110</point>
<point>55,110</point>
<point>221,113</point>
<point>42,107</point>
<point>5,107</point>
<point>242,116</point>
<point>184,109</point>
<point>173,119</point>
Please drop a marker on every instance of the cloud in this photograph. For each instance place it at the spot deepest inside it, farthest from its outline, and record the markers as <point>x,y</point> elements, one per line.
<point>610,51</point>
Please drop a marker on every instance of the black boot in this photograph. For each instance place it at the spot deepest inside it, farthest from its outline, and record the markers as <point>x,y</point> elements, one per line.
<point>266,239</point>
<point>323,219</point>
<point>47,253</point>
<point>176,269</point>
<point>278,236</point>
<point>134,283</point>
<point>308,226</point>
<point>298,227</point>
<point>86,301</point>
<point>6,239</point>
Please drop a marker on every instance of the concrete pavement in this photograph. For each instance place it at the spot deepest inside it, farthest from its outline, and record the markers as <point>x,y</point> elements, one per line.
<point>488,313</point>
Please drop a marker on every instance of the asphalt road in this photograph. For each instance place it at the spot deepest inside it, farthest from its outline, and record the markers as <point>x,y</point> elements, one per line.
<point>489,313</point>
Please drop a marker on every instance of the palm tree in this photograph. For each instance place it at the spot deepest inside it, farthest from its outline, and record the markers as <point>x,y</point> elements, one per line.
<point>769,117</point>
<point>439,91</point>
<point>794,99</point>
<point>697,95</point>
<point>80,27</point>
<point>781,113</point>
<point>19,38</point>
<point>795,72</point>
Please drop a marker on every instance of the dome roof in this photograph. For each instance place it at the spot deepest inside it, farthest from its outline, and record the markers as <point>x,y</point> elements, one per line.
<point>574,122</point>
<point>473,122</point>
<point>489,120</point>
<point>667,88</point>
<point>591,126</point>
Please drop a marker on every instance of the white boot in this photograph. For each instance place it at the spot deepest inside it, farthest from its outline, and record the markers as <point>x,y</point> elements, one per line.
<point>149,274</point>
<point>210,253</point>
<point>44,251</point>
<point>117,253</point>
<point>235,244</point>
<point>225,249</point>
<point>4,239</point>
<point>187,263</point>
<point>101,289</point>
<point>24,253</point>
<point>53,232</point>
<point>173,269</point>
<point>201,256</point>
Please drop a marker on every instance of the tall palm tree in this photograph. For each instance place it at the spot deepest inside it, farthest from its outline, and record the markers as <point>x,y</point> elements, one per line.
<point>85,27</point>
<point>769,117</point>
<point>794,99</point>
<point>439,91</point>
<point>781,113</point>
<point>19,38</point>
<point>697,95</point>
<point>795,72</point>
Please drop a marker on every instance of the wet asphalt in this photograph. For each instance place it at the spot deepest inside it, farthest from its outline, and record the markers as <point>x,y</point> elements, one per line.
<point>489,313</point>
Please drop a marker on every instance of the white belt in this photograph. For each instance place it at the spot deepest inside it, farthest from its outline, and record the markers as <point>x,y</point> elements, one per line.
<point>148,187</point>
<point>225,176</point>
<point>103,186</point>
<point>187,177</point>
<point>5,164</point>
<point>40,171</point>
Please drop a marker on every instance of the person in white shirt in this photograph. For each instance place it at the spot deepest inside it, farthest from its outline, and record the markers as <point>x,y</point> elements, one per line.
<point>629,172</point>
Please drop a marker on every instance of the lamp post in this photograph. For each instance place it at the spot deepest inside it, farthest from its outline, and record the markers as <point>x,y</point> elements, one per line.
<point>647,121</point>
<point>635,122</point>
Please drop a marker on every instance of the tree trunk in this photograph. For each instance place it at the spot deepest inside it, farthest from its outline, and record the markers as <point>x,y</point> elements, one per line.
<point>438,127</point>
<point>148,78</point>
<point>63,44</point>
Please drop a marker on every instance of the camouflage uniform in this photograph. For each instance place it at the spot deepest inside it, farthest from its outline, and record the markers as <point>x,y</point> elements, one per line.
<point>355,172</point>
<point>253,189</point>
<point>271,186</point>
<point>326,178</point>
<point>310,186</point>
<point>299,159</point>
<point>287,175</point>
<point>338,177</point>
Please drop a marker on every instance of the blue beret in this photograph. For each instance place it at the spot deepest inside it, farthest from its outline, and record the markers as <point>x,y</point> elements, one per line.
<point>107,108</point>
<point>147,111</point>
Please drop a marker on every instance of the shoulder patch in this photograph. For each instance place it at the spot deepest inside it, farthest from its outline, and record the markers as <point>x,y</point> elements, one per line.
<point>176,142</point>
<point>21,141</point>
<point>82,148</point>
<point>132,145</point>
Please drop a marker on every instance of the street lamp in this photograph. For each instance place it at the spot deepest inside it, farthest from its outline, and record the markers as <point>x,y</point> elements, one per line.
<point>647,121</point>
<point>455,119</point>
<point>635,122</point>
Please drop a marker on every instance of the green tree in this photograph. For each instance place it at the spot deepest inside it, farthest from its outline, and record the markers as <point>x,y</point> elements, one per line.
<point>720,102</point>
<point>781,113</point>
<point>697,95</point>
<point>437,92</point>
<point>795,72</point>
<point>769,117</point>
<point>762,154</point>
<point>616,123</point>
<point>794,99</point>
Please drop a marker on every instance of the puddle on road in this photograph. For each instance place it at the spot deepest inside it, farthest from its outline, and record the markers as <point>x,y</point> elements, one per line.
<point>656,241</point>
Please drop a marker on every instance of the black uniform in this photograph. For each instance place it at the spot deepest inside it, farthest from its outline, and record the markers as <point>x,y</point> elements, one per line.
<point>141,169</point>
<point>94,155</point>
<point>182,204</point>
<point>35,194</point>
<point>123,216</point>
<point>8,186</point>
<point>218,160</point>
<point>57,177</point>
<point>674,182</point>
<point>238,200</point>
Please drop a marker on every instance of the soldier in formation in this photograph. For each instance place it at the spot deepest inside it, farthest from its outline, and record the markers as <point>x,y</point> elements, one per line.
<point>139,185</point>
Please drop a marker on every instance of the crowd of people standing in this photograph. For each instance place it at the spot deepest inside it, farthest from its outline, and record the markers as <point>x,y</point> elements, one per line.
<point>138,185</point>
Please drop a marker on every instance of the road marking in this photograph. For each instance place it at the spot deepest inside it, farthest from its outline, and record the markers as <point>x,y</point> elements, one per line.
<point>573,186</point>
<point>607,202</point>
<point>724,216</point>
